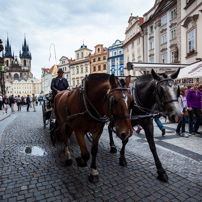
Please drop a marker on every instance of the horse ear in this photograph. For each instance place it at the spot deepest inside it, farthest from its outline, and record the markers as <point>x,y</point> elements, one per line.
<point>175,74</point>
<point>155,75</point>
<point>128,80</point>
<point>113,82</point>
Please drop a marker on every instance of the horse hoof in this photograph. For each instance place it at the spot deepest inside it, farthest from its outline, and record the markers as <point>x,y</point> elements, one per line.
<point>81,162</point>
<point>163,177</point>
<point>113,150</point>
<point>68,162</point>
<point>94,178</point>
<point>122,162</point>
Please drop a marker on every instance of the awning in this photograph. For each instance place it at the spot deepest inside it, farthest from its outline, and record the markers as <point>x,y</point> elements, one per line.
<point>190,74</point>
<point>160,67</point>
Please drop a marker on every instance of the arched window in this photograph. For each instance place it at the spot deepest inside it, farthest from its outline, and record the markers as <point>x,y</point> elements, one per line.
<point>6,62</point>
<point>16,77</point>
<point>24,62</point>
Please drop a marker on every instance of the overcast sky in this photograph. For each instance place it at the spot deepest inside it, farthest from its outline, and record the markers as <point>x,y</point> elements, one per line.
<point>66,23</point>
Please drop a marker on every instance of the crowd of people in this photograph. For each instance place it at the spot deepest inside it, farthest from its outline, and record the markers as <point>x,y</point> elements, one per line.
<point>28,101</point>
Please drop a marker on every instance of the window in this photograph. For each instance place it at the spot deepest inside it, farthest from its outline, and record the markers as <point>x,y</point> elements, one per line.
<point>121,73</point>
<point>94,60</point>
<point>163,20</point>
<point>113,62</point>
<point>114,53</point>
<point>99,68</point>
<point>81,69</point>
<point>164,39</point>
<point>86,69</point>
<point>24,62</point>
<point>133,56</point>
<point>151,45</point>
<point>138,40</point>
<point>94,68</point>
<point>138,52</point>
<point>173,34</point>
<point>173,14</point>
<point>104,57</point>
<point>133,44</point>
<point>172,56</point>
<point>151,60</point>
<point>191,40</point>
<point>98,50</point>
<point>99,59</point>
<point>104,67</point>
<point>77,82</point>
<point>164,58</point>
<point>81,54</point>
<point>77,70</point>
<point>73,83</point>
<point>77,55</point>
<point>120,52</point>
<point>151,29</point>
<point>6,62</point>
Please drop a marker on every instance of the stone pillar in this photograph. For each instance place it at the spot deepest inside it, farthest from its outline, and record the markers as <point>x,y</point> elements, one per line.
<point>158,41</point>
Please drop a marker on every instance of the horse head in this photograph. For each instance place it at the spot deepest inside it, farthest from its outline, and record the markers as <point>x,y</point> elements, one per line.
<point>117,106</point>
<point>167,93</point>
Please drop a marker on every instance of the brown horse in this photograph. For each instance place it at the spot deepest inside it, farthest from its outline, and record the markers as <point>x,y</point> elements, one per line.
<point>99,99</point>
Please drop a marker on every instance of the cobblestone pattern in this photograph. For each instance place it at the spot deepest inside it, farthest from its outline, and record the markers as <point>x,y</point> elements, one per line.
<point>34,178</point>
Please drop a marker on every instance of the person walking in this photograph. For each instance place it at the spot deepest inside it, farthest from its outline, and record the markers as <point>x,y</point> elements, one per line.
<point>183,106</point>
<point>1,101</point>
<point>194,102</point>
<point>6,103</point>
<point>12,102</point>
<point>28,102</point>
<point>34,102</point>
<point>19,102</point>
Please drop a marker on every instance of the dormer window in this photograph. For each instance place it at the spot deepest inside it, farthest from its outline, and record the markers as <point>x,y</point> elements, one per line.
<point>82,55</point>
<point>98,50</point>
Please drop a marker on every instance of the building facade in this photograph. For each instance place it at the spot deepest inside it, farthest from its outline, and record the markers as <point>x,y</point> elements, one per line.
<point>161,44</point>
<point>116,59</point>
<point>99,60</point>
<point>46,78</point>
<point>80,67</point>
<point>16,70</point>
<point>190,23</point>
<point>133,44</point>
<point>64,64</point>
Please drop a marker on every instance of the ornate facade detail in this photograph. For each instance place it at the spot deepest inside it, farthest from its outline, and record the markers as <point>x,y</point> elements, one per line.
<point>163,49</point>
<point>163,30</point>
<point>173,24</point>
<point>151,37</point>
<point>190,18</point>
<point>151,55</point>
<point>158,24</point>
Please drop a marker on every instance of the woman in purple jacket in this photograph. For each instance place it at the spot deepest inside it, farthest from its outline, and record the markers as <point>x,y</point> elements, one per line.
<point>194,102</point>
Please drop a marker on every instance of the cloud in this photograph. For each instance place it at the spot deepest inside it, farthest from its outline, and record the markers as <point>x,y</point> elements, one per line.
<point>66,23</point>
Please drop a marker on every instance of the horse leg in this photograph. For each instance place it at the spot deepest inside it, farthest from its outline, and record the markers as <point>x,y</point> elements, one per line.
<point>65,139</point>
<point>85,156</point>
<point>122,160</point>
<point>112,145</point>
<point>149,131</point>
<point>94,149</point>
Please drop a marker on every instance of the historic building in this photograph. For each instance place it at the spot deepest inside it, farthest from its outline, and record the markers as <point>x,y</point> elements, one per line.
<point>116,59</point>
<point>99,60</point>
<point>133,44</point>
<point>160,33</point>
<point>80,67</point>
<point>64,64</point>
<point>14,68</point>
<point>46,79</point>
<point>190,27</point>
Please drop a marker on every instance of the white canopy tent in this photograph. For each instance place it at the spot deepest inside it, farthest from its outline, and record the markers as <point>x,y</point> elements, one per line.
<point>190,75</point>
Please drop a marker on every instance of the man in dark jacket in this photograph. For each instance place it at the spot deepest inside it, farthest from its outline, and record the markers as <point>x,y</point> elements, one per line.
<point>28,102</point>
<point>59,83</point>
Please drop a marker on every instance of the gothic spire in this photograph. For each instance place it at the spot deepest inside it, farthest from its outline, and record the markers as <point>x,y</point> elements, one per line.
<point>25,50</point>
<point>8,52</point>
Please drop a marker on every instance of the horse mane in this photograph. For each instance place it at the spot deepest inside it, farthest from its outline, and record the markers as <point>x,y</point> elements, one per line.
<point>98,76</point>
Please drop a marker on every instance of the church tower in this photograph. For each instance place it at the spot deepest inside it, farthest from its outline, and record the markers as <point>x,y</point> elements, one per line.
<point>25,57</point>
<point>8,57</point>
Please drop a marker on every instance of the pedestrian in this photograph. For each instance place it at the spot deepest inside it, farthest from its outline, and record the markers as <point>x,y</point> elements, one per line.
<point>12,103</point>
<point>183,107</point>
<point>1,101</point>
<point>160,125</point>
<point>6,103</point>
<point>40,99</point>
<point>194,102</point>
<point>34,102</point>
<point>19,102</point>
<point>28,102</point>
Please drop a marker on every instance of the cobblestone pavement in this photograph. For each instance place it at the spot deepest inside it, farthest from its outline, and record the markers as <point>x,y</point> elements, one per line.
<point>26,177</point>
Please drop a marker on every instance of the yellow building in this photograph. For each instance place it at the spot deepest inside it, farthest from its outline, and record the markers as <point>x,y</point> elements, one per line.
<point>26,87</point>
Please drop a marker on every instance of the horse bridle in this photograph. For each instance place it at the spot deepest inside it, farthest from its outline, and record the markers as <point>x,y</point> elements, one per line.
<point>111,101</point>
<point>170,84</point>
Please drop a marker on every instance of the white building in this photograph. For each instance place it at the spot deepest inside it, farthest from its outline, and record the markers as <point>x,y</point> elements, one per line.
<point>46,78</point>
<point>64,64</point>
